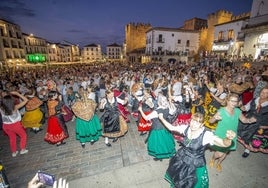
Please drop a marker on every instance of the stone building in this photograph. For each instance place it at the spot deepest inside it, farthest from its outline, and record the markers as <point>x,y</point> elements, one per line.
<point>35,49</point>
<point>135,36</point>
<point>171,44</point>
<point>114,53</point>
<point>228,39</point>
<point>91,53</point>
<point>12,50</point>
<point>256,31</point>
<point>207,34</point>
<point>195,24</point>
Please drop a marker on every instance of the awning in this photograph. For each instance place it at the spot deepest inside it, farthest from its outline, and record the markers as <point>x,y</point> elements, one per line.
<point>220,47</point>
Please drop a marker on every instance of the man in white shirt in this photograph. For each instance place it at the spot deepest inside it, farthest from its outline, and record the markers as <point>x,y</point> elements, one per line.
<point>176,88</point>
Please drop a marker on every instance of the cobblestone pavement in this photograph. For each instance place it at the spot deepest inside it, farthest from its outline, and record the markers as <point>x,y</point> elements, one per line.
<point>71,161</point>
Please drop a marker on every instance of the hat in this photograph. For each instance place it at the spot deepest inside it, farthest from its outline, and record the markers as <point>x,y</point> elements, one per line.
<point>265,73</point>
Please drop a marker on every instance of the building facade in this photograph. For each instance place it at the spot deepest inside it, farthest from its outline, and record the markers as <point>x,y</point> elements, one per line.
<point>12,48</point>
<point>72,50</point>
<point>256,31</point>
<point>114,53</point>
<point>171,44</point>
<point>35,49</point>
<point>207,34</point>
<point>228,39</point>
<point>91,53</point>
<point>135,36</point>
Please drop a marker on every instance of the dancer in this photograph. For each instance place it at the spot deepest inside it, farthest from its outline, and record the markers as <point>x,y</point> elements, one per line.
<point>33,116</point>
<point>254,136</point>
<point>122,100</point>
<point>137,93</point>
<point>87,123</point>
<point>160,142</point>
<point>56,129</point>
<point>12,125</point>
<point>147,107</point>
<point>114,125</point>
<point>227,118</point>
<point>188,167</point>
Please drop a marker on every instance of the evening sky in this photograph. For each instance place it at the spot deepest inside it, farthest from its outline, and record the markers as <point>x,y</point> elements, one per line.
<point>103,21</point>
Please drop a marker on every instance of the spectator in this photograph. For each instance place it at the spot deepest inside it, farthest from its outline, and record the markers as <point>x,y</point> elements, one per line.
<point>12,125</point>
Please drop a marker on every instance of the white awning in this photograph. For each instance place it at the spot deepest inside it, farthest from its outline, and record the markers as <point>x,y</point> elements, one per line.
<point>220,47</point>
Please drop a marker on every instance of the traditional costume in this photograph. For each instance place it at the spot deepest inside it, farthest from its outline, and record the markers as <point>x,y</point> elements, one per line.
<point>160,142</point>
<point>33,116</point>
<point>147,107</point>
<point>87,123</point>
<point>251,136</point>
<point>113,123</point>
<point>188,167</point>
<point>56,128</point>
<point>121,96</point>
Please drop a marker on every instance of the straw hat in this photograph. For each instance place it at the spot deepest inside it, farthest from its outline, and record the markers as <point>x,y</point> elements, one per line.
<point>265,73</point>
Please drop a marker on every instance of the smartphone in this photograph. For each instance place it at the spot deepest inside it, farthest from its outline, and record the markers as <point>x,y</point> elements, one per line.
<point>45,178</point>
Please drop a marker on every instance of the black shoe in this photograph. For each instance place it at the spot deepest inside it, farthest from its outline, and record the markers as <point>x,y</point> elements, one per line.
<point>115,139</point>
<point>143,133</point>
<point>61,143</point>
<point>156,159</point>
<point>92,142</point>
<point>108,144</point>
<point>245,154</point>
<point>83,145</point>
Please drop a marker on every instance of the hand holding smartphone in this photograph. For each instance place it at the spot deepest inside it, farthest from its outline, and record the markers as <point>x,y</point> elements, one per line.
<point>45,178</point>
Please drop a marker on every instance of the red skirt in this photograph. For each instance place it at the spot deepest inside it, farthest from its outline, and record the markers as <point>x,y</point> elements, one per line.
<point>55,132</point>
<point>143,124</point>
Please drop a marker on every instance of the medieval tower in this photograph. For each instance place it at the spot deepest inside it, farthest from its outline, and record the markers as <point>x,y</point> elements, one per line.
<point>136,36</point>
<point>207,34</point>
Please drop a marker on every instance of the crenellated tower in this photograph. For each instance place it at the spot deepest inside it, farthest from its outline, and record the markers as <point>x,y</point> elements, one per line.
<point>135,34</point>
<point>207,34</point>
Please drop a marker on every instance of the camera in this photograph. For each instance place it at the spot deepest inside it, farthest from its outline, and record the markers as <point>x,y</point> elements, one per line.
<point>45,178</point>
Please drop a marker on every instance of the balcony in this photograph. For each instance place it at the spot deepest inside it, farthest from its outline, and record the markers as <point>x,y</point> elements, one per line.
<point>6,45</point>
<point>160,40</point>
<point>14,46</point>
<point>223,41</point>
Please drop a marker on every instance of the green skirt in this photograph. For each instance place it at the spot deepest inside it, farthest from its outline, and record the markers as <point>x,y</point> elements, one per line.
<point>160,144</point>
<point>87,131</point>
<point>202,178</point>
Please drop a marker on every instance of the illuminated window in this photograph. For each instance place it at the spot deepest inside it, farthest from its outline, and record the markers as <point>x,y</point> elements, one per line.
<point>231,34</point>
<point>220,36</point>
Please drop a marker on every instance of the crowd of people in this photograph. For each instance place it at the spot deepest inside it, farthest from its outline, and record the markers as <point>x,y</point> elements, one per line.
<point>195,105</point>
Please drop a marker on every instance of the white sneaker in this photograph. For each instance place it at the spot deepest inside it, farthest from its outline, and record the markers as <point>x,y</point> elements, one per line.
<point>24,151</point>
<point>14,154</point>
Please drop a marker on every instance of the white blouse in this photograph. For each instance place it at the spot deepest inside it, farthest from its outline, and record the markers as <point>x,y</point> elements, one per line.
<point>10,119</point>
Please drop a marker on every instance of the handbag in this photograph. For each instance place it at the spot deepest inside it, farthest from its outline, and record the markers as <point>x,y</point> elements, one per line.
<point>67,113</point>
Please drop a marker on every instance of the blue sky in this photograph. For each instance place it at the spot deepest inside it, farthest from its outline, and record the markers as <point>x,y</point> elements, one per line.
<point>103,21</point>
